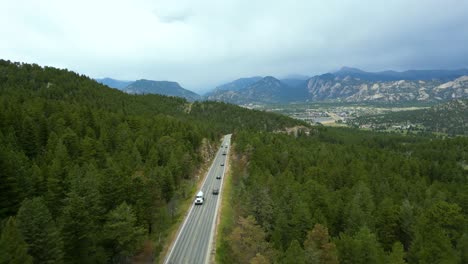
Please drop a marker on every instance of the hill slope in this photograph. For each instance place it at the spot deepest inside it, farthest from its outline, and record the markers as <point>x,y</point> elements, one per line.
<point>266,90</point>
<point>160,87</point>
<point>78,158</point>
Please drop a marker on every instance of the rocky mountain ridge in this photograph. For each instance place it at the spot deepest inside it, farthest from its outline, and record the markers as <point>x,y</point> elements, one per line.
<point>357,86</point>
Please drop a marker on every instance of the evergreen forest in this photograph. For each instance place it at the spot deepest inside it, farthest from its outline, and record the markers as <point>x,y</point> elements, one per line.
<point>347,196</point>
<point>89,174</point>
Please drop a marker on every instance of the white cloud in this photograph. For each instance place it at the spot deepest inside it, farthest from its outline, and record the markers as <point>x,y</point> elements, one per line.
<point>202,43</point>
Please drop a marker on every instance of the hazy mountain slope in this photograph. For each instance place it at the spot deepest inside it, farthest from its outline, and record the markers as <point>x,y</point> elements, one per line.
<point>160,87</point>
<point>442,75</point>
<point>113,83</point>
<point>266,90</point>
<point>294,82</point>
<point>239,84</point>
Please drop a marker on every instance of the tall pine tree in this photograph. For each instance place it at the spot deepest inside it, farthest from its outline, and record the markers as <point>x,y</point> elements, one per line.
<point>40,232</point>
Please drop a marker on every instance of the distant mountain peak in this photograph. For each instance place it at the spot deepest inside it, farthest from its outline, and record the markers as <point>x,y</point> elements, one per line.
<point>168,88</point>
<point>235,85</point>
<point>270,79</point>
<point>346,69</point>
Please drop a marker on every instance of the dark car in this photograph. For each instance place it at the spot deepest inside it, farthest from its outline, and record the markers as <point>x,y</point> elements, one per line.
<point>218,177</point>
<point>215,191</point>
<point>222,164</point>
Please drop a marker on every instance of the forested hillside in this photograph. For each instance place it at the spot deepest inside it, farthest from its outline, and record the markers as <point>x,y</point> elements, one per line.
<point>87,172</point>
<point>347,196</point>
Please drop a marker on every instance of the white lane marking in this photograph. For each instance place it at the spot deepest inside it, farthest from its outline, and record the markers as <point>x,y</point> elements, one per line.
<point>168,257</point>
<point>207,257</point>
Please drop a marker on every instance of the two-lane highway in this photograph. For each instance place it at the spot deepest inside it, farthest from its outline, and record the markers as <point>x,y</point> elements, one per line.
<point>194,240</point>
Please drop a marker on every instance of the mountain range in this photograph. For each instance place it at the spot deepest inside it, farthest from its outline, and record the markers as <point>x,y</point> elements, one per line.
<point>414,75</point>
<point>346,85</point>
<point>352,85</point>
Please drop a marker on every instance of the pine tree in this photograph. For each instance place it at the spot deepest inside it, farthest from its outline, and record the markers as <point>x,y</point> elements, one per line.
<point>39,231</point>
<point>397,256</point>
<point>387,224</point>
<point>294,254</point>
<point>363,248</point>
<point>122,234</point>
<point>437,231</point>
<point>318,248</point>
<point>247,239</point>
<point>13,249</point>
<point>10,193</point>
<point>80,220</point>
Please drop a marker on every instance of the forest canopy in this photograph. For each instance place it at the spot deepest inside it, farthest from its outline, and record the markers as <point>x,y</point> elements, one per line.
<point>89,172</point>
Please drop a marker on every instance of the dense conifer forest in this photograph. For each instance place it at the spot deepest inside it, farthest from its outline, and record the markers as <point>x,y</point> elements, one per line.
<point>347,196</point>
<point>87,173</point>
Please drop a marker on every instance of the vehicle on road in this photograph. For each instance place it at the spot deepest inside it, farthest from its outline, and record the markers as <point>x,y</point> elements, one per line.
<point>222,164</point>
<point>218,177</point>
<point>224,153</point>
<point>199,199</point>
<point>215,191</point>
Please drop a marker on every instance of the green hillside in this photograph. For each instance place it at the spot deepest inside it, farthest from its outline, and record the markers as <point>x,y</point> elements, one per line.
<point>347,196</point>
<point>89,172</point>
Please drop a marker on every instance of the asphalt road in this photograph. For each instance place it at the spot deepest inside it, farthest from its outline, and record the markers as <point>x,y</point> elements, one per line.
<point>194,241</point>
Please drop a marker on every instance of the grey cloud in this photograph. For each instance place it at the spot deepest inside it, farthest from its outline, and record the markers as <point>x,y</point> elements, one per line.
<point>203,43</point>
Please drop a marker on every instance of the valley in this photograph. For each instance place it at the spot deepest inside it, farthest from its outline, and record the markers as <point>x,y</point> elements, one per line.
<point>334,114</point>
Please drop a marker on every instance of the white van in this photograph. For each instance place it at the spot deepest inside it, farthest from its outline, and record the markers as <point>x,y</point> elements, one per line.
<point>199,199</point>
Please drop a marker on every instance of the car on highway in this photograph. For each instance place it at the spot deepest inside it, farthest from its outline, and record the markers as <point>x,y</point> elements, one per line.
<point>215,191</point>
<point>199,199</point>
<point>218,177</point>
<point>222,164</point>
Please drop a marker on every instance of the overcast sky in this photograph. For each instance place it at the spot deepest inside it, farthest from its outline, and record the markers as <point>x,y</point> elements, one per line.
<point>202,43</point>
